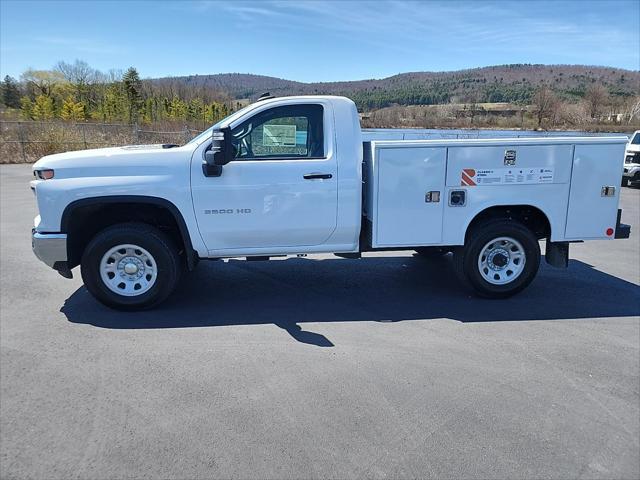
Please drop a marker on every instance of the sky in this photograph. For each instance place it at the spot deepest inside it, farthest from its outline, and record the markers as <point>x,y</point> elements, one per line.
<point>316,40</point>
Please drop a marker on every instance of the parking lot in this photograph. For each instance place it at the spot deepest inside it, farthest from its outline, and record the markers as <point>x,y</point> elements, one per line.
<point>321,367</point>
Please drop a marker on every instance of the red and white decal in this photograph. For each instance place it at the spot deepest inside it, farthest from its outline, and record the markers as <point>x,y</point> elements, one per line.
<point>467,177</point>
<point>470,177</point>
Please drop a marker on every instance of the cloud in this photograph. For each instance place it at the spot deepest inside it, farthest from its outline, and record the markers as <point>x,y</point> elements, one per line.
<point>529,28</point>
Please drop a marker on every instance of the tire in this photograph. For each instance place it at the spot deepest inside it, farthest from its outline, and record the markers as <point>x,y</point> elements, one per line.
<point>431,252</point>
<point>499,259</point>
<point>130,266</point>
<point>625,182</point>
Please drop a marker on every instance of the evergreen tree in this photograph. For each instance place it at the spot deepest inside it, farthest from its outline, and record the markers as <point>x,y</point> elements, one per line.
<point>72,110</point>
<point>43,108</point>
<point>177,109</point>
<point>26,105</point>
<point>133,87</point>
<point>10,92</point>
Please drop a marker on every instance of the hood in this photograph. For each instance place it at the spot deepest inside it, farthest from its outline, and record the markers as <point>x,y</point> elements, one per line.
<point>633,147</point>
<point>115,161</point>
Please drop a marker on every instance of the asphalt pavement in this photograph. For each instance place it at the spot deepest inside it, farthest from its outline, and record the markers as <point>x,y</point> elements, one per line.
<point>321,368</point>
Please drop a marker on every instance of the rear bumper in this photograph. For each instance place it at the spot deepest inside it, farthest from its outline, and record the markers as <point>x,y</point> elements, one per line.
<point>622,229</point>
<point>50,248</point>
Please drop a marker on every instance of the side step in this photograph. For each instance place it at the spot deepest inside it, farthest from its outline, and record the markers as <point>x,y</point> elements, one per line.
<point>349,255</point>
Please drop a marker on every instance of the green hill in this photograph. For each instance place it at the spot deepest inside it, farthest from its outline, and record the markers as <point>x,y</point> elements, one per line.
<point>504,83</point>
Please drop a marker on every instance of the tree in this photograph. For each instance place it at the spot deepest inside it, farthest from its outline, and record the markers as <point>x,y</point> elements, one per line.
<point>72,110</point>
<point>633,109</point>
<point>10,92</point>
<point>26,105</point>
<point>545,102</point>
<point>132,87</point>
<point>42,82</point>
<point>42,108</point>
<point>80,75</point>
<point>596,97</point>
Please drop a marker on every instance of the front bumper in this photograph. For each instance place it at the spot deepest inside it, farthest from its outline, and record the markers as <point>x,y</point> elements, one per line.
<point>632,177</point>
<point>50,248</point>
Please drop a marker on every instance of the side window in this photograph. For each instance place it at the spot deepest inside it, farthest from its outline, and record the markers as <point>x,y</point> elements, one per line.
<point>287,132</point>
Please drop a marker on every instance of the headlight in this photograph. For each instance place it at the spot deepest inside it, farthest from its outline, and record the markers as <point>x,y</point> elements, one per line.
<point>44,174</point>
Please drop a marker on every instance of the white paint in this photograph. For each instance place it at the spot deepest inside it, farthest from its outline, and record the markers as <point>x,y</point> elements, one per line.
<point>276,211</point>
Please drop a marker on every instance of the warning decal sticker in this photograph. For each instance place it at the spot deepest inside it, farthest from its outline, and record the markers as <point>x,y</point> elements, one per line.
<point>467,177</point>
<point>470,177</point>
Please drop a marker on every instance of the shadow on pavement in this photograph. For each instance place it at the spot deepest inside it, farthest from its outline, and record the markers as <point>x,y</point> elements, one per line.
<point>390,289</point>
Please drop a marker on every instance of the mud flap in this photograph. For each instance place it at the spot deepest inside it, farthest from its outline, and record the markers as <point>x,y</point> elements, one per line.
<point>557,254</point>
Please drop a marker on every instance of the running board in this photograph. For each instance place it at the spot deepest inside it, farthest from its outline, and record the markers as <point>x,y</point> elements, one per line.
<point>349,255</point>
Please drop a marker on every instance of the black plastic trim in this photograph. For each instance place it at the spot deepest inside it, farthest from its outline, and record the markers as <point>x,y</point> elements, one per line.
<point>192,255</point>
<point>557,254</point>
<point>622,229</point>
<point>63,269</point>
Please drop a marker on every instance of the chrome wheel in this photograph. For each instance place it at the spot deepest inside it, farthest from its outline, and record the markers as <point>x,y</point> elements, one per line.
<point>128,270</point>
<point>501,260</point>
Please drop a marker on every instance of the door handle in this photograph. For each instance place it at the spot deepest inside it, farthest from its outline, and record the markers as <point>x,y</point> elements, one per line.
<point>315,175</point>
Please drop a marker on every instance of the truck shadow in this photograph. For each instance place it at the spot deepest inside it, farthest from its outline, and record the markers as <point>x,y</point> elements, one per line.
<point>290,292</point>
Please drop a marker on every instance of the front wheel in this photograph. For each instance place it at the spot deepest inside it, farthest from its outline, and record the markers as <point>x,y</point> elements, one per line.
<point>499,259</point>
<point>131,266</point>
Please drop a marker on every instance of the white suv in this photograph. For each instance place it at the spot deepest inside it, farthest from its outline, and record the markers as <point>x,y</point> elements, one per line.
<point>631,173</point>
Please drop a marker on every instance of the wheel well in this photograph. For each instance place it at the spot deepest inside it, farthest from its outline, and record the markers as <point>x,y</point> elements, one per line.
<point>532,217</point>
<point>84,219</point>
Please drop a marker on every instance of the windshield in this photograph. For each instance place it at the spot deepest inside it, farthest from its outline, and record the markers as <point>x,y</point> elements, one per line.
<point>207,133</point>
<point>636,139</point>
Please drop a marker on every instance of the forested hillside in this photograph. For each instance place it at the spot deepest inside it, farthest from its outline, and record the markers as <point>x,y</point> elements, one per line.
<point>506,83</point>
<point>508,96</point>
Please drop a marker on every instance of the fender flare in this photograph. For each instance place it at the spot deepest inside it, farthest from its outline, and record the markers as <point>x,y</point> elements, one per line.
<point>480,211</point>
<point>192,255</point>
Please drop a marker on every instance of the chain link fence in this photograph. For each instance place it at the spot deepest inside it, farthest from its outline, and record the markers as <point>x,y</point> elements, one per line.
<point>27,141</point>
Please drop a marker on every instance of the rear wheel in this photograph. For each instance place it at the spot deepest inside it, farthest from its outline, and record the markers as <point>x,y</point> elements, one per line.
<point>130,266</point>
<point>499,259</point>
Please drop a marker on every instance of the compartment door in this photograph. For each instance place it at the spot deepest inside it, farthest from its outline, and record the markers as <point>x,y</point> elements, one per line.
<point>590,213</point>
<point>405,176</point>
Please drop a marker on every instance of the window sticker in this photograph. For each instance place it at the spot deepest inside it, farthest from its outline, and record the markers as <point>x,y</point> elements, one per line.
<point>279,135</point>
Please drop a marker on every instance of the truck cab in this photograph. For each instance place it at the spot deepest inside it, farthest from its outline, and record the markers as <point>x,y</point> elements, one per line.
<point>293,175</point>
<point>292,184</point>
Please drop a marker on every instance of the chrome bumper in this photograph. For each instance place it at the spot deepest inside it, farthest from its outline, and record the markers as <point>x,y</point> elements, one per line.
<point>51,248</point>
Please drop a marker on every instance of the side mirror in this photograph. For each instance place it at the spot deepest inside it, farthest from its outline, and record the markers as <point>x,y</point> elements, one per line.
<point>220,153</point>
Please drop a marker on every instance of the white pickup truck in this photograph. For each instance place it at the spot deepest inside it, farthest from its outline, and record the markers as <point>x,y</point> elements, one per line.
<point>631,173</point>
<point>294,175</point>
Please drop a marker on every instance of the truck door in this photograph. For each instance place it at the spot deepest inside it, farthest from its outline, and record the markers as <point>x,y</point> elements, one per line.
<point>281,188</point>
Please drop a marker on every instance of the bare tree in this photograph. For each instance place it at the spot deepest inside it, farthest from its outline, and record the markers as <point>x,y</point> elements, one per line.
<point>574,114</point>
<point>596,97</point>
<point>633,109</point>
<point>78,73</point>
<point>546,104</point>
